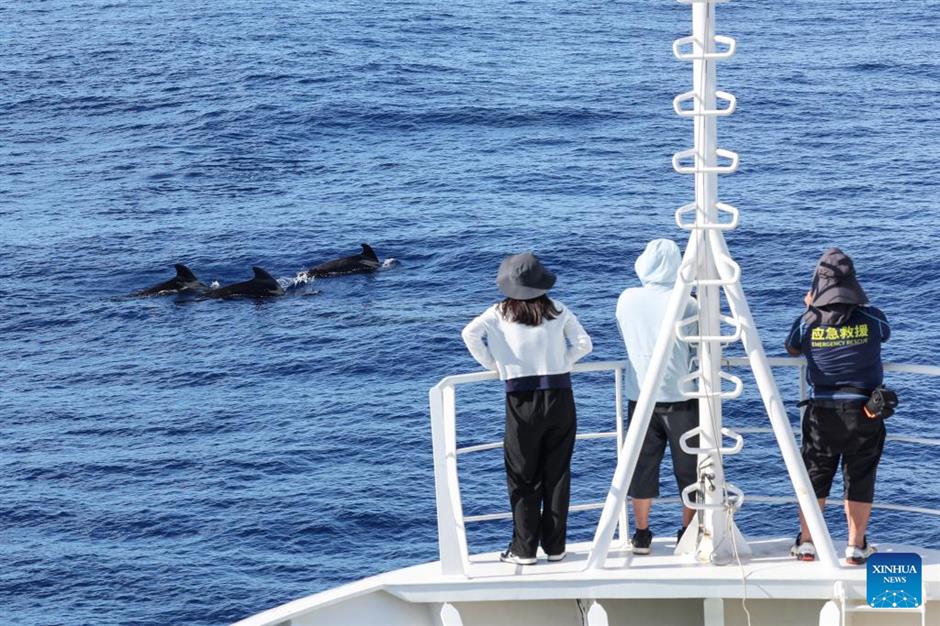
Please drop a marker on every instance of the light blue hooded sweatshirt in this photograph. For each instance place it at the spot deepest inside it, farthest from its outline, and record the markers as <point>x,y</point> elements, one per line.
<point>640,312</point>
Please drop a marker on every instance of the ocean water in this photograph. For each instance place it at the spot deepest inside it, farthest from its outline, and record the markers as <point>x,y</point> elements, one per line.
<point>173,461</point>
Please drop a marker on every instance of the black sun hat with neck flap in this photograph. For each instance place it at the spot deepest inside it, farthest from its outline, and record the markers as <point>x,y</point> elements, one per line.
<point>835,282</point>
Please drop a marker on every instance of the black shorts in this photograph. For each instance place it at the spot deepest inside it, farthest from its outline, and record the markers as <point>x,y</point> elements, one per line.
<point>670,420</point>
<point>837,430</point>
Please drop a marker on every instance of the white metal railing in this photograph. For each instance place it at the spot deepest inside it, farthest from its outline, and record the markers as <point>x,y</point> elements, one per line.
<point>451,521</point>
<point>450,516</point>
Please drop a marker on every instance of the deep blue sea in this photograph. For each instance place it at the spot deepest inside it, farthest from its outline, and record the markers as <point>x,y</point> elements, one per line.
<point>170,461</point>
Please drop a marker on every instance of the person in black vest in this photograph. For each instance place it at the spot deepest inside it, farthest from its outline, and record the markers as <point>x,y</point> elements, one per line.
<point>533,341</point>
<point>840,335</point>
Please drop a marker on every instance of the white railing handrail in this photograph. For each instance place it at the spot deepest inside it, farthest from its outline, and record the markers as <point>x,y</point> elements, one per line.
<point>452,521</point>
<point>592,506</point>
<point>493,445</point>
<point>836,501</point>
<point>798,361</point>
<point>602,366</point>
<point>747,430</point>
<point>477,377</point>
<point>929,370</point>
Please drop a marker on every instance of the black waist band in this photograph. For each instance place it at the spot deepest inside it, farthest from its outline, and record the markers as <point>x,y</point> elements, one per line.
<point>830,389</point>
<point>531,383</point>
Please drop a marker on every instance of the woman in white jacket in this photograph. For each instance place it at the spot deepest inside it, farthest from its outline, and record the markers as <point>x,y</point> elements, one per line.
<point>532,341</point>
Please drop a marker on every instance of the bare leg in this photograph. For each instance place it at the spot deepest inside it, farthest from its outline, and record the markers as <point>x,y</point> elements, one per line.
<point>687,515</point>
<point>804,529</point>
<point>641,512</point>
<point>857,514</point>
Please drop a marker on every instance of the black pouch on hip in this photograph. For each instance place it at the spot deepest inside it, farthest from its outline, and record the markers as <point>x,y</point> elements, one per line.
<point>881,403</point>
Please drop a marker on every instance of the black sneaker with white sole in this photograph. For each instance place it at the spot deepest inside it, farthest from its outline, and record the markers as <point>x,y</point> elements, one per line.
<point>642,540</point>
<point>509,557</point>
<point>557,557</point>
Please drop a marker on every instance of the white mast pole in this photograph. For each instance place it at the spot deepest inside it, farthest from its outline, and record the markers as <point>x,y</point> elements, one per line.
<point>715,522</point>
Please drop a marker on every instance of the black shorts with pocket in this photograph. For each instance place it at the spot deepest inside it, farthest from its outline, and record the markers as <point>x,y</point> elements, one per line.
<point>835,431</point>
<point>670,420</point>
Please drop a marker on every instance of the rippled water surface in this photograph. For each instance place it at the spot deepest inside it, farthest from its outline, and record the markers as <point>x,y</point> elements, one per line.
<point>178,461</point>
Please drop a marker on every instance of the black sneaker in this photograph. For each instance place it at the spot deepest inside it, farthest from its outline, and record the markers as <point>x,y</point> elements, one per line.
<point>509,557</point>
<point>642,539</point>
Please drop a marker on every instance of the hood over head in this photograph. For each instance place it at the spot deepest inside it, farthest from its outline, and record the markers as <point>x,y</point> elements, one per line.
<point>835,291</point>
<point>659,263</point>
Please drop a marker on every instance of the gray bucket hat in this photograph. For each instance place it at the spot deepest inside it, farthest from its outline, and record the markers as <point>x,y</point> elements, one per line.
<point>523,277</point>
<point>834,281</point>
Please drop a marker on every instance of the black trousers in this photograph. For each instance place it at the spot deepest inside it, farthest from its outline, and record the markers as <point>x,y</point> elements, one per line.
<point>539,440</point>
<point>835,431</point>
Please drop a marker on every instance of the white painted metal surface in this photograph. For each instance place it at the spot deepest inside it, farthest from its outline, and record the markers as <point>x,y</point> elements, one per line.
<point>661,588</point>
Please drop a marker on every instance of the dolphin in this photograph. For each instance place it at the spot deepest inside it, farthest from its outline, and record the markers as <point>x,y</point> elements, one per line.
<point>184,280</point>
<point>367,261</point>
<point>263,285</point>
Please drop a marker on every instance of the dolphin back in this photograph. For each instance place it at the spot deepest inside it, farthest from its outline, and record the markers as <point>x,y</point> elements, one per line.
<point>367,261</point>
<point>261,285</point>
<point>184,280</point>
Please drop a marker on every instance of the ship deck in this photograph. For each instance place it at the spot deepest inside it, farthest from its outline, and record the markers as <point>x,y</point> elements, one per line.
<point>776,586</point>
<point>770,572</point>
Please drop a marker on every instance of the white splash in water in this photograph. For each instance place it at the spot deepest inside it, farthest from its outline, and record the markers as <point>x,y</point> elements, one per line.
<point>302,278</point>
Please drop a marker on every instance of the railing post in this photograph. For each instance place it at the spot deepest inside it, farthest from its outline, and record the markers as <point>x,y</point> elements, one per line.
<point>623,527</point>
<point>451,535</point>
<point>804,392</point>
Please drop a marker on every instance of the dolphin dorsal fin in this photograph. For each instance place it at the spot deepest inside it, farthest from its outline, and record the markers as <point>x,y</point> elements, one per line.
<point>368,252</point>
<point>260,274</point>
<point>185,274</point>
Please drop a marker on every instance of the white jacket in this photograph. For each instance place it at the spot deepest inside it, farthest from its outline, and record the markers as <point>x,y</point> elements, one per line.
<point>516,350</point>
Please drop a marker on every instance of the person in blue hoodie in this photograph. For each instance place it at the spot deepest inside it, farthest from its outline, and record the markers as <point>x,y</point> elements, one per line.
<point>640,312</point>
